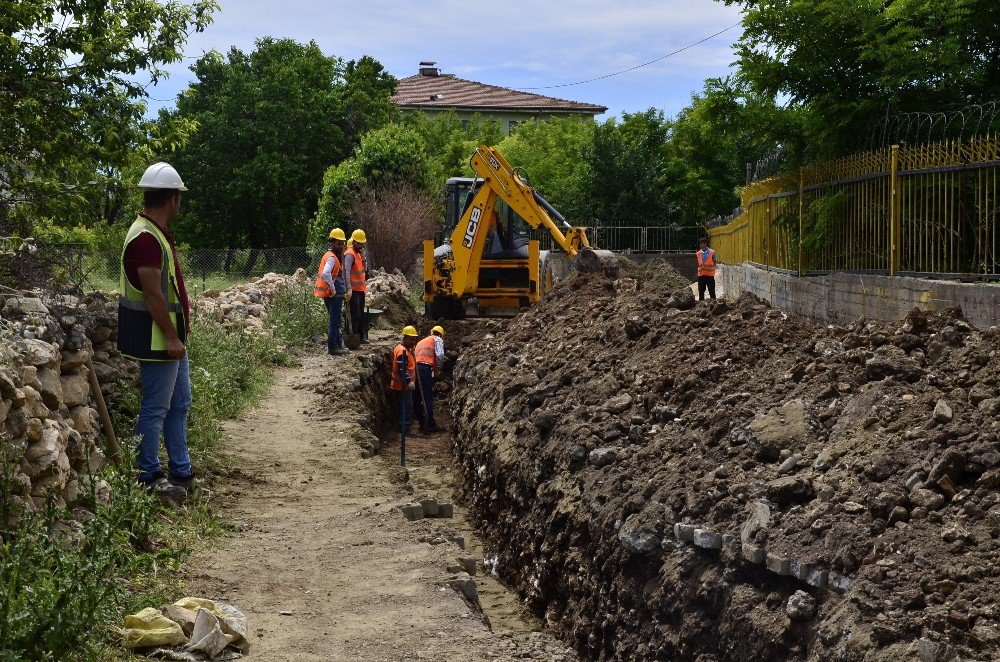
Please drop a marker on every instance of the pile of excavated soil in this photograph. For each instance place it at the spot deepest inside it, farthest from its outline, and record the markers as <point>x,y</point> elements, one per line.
<point>651,273</point>
<point>726,483</point>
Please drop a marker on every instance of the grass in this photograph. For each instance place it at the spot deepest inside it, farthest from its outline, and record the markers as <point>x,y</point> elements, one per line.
<point>297,316</point>
<point>64,595</point>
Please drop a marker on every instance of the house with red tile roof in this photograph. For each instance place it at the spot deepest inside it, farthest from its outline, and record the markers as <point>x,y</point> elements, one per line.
<point>431,91</point>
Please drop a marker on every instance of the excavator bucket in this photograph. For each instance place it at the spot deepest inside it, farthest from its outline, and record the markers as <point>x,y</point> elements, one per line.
<point>590,260</point>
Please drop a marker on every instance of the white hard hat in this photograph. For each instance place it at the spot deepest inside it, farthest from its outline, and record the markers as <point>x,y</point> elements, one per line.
<point>160,176</point>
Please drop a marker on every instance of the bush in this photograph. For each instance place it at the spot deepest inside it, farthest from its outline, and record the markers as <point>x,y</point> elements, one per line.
<point>62,580</point>
<point>297,316</point>
<point>396,222</point>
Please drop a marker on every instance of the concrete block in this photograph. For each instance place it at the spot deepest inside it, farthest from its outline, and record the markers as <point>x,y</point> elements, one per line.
<point>817,577</point>
<point>412,511</point>
<point>839,583</point>
<point>465,585</point>
<point>777,563</point>
<point>753,553</point>
<point>468,564</point>
<point>707,539</point>
<point>430,507</point>
<point>798,569</point>
<point>684,532</point>
<point>445,509</point>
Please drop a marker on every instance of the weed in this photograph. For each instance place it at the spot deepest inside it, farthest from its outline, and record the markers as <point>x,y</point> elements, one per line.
<point>297,316</point>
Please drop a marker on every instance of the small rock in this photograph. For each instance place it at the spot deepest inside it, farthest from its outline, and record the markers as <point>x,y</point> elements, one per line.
<point>927,499</point>
<point>465,585</point>
<point>789,465</point>
<point>943,412</point>
<point>602,457</point>
<point>468,564</point>
<point>801,606</point>
<point>853,507</point>
<point>684,532</point>
<point>707,539</point>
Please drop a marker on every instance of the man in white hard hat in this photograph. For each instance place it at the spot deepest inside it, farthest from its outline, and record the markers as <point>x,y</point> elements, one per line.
<point>153,323</point>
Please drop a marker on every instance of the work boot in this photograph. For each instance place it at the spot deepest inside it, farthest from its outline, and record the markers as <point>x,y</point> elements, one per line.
<point>340,351</point>
<point>365,341</point>
<point>191,485</point>
<point>163,489</point>
<point>436,428</point>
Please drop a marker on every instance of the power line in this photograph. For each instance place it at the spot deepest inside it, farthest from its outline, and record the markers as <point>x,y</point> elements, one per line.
<point>638,66</point>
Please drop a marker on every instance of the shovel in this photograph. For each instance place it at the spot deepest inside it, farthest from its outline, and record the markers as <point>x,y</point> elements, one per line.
<point>351,340</point>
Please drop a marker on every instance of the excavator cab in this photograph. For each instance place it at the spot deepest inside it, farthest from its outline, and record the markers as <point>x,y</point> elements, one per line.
<point>488,255</point>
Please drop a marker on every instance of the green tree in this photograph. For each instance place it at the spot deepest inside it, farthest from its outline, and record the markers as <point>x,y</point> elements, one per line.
<point>450,142</point>
<point>849,62</point>
<point>553,154</point>
<point>269,123</point>
<point>73,77</point>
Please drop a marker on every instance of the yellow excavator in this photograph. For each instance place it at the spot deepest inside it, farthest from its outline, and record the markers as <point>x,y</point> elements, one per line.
<point>488,256</point>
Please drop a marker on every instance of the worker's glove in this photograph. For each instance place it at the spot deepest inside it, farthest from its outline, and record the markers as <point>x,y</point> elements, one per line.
<point>411,386</point>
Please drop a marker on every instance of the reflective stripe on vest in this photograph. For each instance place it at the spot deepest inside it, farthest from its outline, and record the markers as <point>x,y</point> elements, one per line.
<point>411,365</point>
<point>424,351</point>
<point>357,271</point>
<point>322,289</point>
<point>139,337</point>
<point>706,266</point>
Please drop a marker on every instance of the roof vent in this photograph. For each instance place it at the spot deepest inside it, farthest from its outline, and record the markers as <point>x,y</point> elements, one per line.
<point>429,69</point>
<point>436,97</point>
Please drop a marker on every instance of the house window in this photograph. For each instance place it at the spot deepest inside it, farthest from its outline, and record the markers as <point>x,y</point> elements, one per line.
<point>465,125</point>
<point>511,124</point>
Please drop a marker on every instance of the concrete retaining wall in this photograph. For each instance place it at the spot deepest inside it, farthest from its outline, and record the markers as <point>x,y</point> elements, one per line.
<point>843,297</point>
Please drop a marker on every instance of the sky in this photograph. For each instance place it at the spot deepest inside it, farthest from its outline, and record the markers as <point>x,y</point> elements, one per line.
<point>518,43</point>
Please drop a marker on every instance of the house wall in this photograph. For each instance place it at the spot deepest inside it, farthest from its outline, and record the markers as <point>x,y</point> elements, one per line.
<point>508,119</point>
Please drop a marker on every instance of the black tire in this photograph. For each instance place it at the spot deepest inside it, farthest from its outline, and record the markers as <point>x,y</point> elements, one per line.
<point>445,308</point>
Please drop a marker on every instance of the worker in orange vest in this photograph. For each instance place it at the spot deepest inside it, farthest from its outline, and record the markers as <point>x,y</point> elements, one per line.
<point>356,270</point>
<point>429,354</point>
<point>706,270</point>
<point>403,379</point>
<point>331,288</point>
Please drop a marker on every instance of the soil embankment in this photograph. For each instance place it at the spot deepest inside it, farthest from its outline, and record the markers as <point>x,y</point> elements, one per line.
<point>321,559</point>
<point>663,481</point>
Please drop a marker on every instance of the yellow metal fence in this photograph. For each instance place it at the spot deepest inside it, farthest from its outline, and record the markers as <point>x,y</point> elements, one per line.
<point>925,209</point>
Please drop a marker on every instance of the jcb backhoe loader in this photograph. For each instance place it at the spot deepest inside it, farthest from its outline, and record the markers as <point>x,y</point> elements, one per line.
<point>489,254</point>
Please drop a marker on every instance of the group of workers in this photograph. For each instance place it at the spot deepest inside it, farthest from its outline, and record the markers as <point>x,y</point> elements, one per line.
<point>342,276</point>
<point>415,364</point>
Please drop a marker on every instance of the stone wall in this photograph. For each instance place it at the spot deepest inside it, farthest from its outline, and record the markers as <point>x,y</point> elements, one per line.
<point>842,297</point>
<point>48,424</point>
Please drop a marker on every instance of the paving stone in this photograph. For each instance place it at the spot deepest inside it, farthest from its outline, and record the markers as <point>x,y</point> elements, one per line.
<point>778,564</point>
<point>465,585</point>
<point>468,564</point>
<point>817,577</point>
<point>445,509</point>
<point>707,539</point>
<point>412,511</point>
<point>839,583</point>
<point>753,553</point>
<point>430,507</point>
<point>684,532</point>
<point>798,569</point>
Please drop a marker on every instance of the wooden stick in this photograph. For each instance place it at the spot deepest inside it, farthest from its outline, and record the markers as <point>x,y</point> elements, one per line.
<point>102,410</point>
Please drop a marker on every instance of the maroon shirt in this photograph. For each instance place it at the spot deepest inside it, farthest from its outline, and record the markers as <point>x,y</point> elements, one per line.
<point>144,251</point>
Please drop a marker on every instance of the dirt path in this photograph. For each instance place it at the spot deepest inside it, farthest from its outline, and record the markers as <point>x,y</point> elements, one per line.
<point>323,563</point>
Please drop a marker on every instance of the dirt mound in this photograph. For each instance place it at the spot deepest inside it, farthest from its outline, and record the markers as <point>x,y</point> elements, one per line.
<point>390,293</point>
<point>651,273</point>
<point>724,482</point>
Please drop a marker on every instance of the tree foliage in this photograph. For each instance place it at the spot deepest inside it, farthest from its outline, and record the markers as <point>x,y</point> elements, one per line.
<point>849,62</point>
<point>269,124</point>
<point>73,75</point>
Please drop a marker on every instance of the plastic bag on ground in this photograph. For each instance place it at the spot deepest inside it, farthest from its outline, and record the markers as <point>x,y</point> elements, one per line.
<point>150,628</point>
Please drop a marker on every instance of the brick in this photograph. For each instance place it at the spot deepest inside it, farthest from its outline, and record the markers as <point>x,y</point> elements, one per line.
<point>753,553</point>
<point>839,583</point>
<point>707,539</point>
<point>412,511</point>
<point>445,509</point>
<point>817,577</point>
<point>684,532</point>
<point>777,563</point>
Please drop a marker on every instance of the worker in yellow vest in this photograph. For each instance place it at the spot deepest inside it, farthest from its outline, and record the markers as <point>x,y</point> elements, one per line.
<point>706,270</point>
<point>331,288</point>
<point>429,354</point>
<point>154,320</point>
<point>357,273</point>
<point>403,374</point>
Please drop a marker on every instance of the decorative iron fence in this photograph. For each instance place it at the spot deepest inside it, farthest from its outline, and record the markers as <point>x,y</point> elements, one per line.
<point>917,209</point>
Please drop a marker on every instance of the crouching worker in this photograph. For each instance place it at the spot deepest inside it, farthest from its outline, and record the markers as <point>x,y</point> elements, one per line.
<point>331,288</point>
<point>403,381</point>
<point>430,359</point>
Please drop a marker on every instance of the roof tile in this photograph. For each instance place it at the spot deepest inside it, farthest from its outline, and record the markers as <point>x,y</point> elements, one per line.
<point>447,91</point>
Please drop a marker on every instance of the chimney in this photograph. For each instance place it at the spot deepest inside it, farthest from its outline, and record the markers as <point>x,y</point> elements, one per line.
<point>429,69</point>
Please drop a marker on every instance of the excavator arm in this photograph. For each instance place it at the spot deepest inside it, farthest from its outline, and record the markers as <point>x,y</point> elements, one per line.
<point>500,180</point>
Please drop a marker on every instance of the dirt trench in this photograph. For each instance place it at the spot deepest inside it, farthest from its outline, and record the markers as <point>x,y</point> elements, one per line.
<point>320,557</point>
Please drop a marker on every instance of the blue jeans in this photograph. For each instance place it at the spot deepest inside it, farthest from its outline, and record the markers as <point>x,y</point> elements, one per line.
<point>166,398</point>
<point>425,393</point>
<point>335,307</point>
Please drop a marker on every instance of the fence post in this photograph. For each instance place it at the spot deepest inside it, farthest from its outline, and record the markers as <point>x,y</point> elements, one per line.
<point>895,222</point>
<point>645,240</point>
<point>801,208</point>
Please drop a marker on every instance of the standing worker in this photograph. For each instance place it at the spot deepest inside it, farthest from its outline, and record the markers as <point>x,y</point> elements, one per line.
<point>330,287</point>
<point>153,323</point>
<point>706,270</point>
<point>430,359</point>
<point>354,267</point>
<point>403,381</point>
